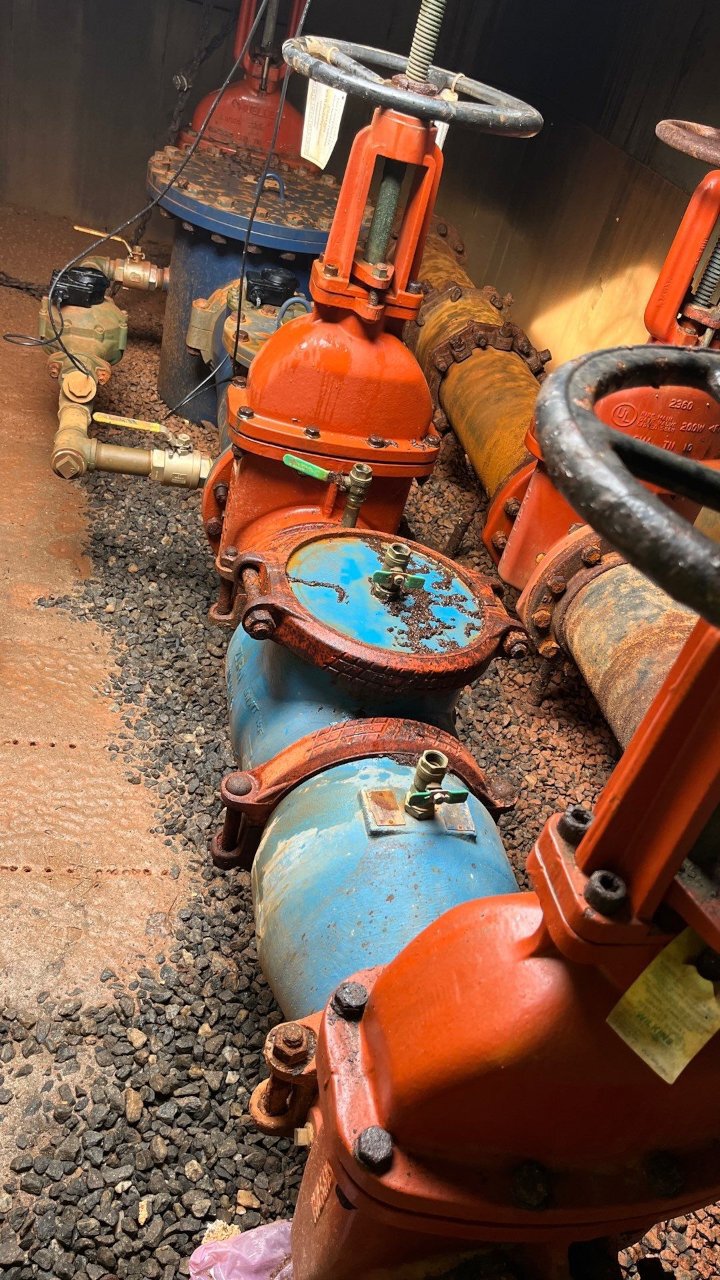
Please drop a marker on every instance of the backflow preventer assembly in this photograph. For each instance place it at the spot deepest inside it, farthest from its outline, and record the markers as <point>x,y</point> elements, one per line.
<point>485,1077</point>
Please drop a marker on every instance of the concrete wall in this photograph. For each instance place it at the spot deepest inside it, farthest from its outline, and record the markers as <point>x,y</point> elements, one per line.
<point>575,222</point>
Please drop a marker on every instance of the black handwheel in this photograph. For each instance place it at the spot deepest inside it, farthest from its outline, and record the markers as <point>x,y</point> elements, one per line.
<point>342,65</point>
<point>597,469</point>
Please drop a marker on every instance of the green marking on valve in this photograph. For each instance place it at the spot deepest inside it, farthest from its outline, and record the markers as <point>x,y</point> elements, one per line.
<point>439,796</point>
<point>386,578</point>
<point>306,468</point>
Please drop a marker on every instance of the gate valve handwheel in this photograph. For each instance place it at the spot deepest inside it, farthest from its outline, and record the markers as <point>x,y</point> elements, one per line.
<point>349,67</point>
<point>598,469</point>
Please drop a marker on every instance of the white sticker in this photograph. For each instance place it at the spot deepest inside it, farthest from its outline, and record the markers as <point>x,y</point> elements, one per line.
<point>323,113</point>
<point>442,126</point>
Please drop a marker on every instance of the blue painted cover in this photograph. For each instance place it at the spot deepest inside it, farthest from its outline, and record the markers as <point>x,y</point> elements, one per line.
<point>332,897</point>
<point>331,578</point>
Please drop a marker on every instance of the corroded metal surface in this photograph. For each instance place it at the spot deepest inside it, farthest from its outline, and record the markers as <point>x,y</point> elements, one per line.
<point>701,141</point>
<point>217,191</point>
<point>624,634</point>
<point>423,665</point>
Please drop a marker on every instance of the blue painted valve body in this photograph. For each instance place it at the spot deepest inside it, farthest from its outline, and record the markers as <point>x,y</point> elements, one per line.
<point>334,889</point>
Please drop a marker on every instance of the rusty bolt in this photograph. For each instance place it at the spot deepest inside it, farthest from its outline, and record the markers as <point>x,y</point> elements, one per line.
<point>213,527</point>
<point>511,508</point>
<point>442,229</point>
<point>557,586</point>
<point>499,541</point>
<point>441,364</point>
<point>349,1000</point>
<point>377,442</point>
<point>515,645</point>
<point>531,1185</point>
<point>374,1149</point>
<point>238,784</point>
<point>605,892</point>
<point>415,286</point>
<point>220,494</point>
<point>330,269</point>
<point>591,555</point>
<point>292,1044</point>
<point>54,370</point>
<point>245,411</point>
<point>381,271</point>
<point>259,624</point>
<point>312,433</point>
<point>573,823</point>
<point>542,619</point>
<point>456,293</point>
<point>549,649</point>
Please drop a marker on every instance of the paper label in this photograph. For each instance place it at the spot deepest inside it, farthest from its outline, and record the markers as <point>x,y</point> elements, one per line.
<point>670,1011</point>
<point>441,126</point>
<point>323,113</point>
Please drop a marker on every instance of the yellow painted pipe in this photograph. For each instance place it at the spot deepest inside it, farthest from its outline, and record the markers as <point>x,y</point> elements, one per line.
<point>488,398</point>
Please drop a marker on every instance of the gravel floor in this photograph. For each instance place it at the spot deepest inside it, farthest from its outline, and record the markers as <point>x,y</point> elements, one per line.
<point>136,1135</point>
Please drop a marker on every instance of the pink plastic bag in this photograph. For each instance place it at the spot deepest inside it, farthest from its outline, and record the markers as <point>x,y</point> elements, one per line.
<point>260,1254</point>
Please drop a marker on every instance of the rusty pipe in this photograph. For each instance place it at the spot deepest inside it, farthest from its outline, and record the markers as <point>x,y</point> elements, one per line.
<point>486,395</point>
<point>624,634</point>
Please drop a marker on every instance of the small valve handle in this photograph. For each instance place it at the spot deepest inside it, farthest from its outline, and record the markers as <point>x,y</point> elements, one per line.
<point>310,469</point>
<point>401,581</point>
<point>436,797</point>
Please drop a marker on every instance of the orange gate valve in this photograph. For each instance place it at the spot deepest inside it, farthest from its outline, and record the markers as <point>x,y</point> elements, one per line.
<point>338,386</point>
<point>528,516</point>
<point>474,1105</point>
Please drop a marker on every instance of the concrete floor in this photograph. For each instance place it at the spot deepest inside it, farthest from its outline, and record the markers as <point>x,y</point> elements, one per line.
<point>84,884</point>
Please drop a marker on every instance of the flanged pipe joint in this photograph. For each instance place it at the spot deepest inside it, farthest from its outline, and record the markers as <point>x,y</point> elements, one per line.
<point>362,816</point>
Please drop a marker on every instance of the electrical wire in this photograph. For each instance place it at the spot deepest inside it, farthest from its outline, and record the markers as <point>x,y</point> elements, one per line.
<point>196,390</point>
<point>261,185</point>
<point>26,340</point>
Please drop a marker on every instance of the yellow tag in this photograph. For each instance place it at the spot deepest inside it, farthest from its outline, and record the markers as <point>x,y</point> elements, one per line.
<point>321,125</point>
<point>670,1011</point>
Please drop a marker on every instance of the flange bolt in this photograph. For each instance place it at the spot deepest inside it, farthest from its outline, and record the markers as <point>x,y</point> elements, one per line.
<point>573,823</point>
<point>238,784</point>
<point>374,1149</point>
<point>606,893</point>
<point>259,624</point>
<point>350,1000</point>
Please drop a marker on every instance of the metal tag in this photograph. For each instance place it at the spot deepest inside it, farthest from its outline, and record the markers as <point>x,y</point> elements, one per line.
<point>457,819</point>
<point>383,810</point>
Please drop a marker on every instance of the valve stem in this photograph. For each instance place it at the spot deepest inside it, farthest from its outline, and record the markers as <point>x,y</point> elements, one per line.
<point>425,38</point>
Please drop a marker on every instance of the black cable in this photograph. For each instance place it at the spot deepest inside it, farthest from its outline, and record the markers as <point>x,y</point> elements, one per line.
<point>25,340</point>
<point>261,185</point>
<point>196,390</point>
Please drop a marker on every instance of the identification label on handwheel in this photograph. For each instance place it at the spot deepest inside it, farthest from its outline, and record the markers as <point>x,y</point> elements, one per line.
<point>321,126</point>
<point>670,1011</point>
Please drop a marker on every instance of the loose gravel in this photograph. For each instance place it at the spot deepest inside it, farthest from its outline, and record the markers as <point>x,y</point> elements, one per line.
<point>135,1133</point>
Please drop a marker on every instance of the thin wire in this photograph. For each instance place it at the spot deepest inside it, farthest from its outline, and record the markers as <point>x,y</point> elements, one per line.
<point>261,185</point>
<point>196,390</point>
<point>25,340</point>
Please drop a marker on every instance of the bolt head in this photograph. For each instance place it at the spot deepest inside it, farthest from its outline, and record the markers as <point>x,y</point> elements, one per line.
<point>238,784</point>
<point>591,555</point>
<point>292,1044</point>
<point>557,586</point>
<point>549,649</point>
<point>374,1149</point>
<point>606,893</point>
<point>259,624</point>
<point>213,527</point>
<point>349,1000</point>
<point>499,541</point>
<point>220,494</point>
<point>542,619</point>
<point>573,824</point>
<point>245,411</point>
<point>511,508</point>
<point>68,466</point>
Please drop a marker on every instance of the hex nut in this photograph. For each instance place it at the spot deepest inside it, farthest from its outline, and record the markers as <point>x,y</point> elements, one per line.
<point>573,823</point>
<point>374,1149</point>
<point>606,893</point>
<point>349,1000</point>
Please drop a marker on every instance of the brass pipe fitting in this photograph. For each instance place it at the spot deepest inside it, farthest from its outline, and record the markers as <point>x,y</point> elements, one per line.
<point>133,273</point>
